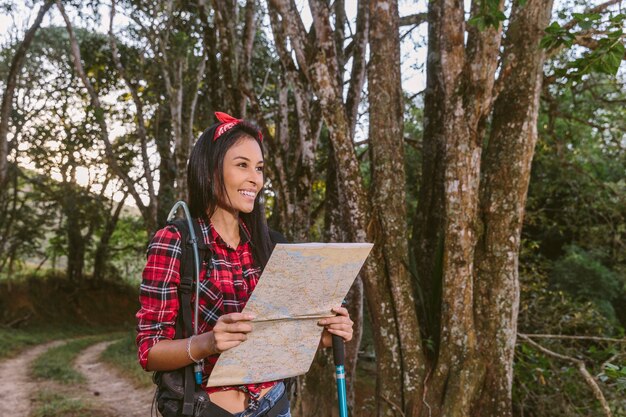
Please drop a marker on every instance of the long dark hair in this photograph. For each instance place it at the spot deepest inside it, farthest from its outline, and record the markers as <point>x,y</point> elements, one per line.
<point>205,182</point>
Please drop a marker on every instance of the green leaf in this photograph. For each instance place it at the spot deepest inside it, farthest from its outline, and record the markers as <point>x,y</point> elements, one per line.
<point>613,58</point>
<point>554,28</point>
<point>548,42</point>
<point>478,22</point>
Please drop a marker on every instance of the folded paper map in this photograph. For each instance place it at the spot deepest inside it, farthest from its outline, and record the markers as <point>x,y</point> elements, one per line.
<point>300,285</point>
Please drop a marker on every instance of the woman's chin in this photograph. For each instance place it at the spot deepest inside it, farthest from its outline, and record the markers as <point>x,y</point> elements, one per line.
<point>247,209</point>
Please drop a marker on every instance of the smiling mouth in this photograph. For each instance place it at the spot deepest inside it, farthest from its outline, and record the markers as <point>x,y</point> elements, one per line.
<point>247,193</point>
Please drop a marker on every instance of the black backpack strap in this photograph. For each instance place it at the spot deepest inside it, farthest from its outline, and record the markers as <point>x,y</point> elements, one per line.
<point>184,326</point>
<point>277,237</point>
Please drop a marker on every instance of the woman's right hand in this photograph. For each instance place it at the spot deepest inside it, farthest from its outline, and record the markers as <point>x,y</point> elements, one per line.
<point>229,331</point>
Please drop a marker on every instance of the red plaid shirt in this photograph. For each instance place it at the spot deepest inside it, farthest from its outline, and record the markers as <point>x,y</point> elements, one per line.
<point>225,290</point>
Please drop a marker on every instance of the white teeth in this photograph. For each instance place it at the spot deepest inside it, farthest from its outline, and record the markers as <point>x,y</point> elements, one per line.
<point>247,193</point>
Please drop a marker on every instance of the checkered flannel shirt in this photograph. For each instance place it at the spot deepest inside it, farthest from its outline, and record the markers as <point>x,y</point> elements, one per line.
<point>225,290</point>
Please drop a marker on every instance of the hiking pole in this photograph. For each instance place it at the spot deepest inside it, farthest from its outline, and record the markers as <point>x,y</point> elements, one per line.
<point>197,369</point>
<point>340,375</point>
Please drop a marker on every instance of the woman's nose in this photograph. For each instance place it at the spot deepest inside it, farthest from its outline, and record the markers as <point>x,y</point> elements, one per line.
<point>255,176</point>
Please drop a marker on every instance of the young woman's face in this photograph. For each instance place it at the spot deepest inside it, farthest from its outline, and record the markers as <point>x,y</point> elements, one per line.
<point>243,175</point>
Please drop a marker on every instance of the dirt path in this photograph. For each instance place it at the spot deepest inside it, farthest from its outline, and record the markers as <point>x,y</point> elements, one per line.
<point>17,385</point>
<point>108,388</point>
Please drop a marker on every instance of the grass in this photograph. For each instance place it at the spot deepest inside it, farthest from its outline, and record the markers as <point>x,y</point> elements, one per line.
<point>56,363</point>
<point>12,341</point>
<point>122,355</point>
<point>53,404</point>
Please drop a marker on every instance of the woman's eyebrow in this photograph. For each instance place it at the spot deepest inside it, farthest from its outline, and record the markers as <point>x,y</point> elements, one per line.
<point>247,159</point>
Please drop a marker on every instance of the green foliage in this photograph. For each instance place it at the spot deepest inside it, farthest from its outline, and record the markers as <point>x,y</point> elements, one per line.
<point>583,276</point>
<point>413,123</point>
<point>614,375</point>
<point>603,36</point>
<point>123,356</point>
<point>577,193</point>
<point>126,255</point>
<point>572,263</point>
<point>557,36</point>
<point>544,386</point>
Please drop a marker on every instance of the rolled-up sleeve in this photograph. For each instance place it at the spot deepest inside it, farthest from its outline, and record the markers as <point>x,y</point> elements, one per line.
<point>158,293</point>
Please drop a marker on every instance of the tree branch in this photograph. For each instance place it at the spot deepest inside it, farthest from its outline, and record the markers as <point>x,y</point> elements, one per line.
<point>413,19</point>
<point>11,83</point>
<point>569,337</point>
<point>359,66</point>
<point>595,388</point>
<point>95,102</point>
<point>141,128</point>
<point>597,9</point>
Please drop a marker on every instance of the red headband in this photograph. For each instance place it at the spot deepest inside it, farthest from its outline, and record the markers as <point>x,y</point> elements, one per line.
<point>227,122</point>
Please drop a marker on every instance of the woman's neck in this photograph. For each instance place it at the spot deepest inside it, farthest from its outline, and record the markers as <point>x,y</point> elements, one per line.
<point>226,223</point>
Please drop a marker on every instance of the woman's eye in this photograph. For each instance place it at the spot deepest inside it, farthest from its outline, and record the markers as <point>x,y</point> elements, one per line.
<point>243,165</point>
<point>260,169</point>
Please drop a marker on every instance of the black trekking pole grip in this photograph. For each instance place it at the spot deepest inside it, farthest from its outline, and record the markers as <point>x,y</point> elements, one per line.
<point>338,351</point>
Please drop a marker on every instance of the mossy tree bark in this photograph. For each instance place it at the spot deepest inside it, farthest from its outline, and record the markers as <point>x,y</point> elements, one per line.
<point>482,192</point>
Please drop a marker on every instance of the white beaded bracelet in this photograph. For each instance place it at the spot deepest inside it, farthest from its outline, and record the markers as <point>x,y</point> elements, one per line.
<point>189,350</point>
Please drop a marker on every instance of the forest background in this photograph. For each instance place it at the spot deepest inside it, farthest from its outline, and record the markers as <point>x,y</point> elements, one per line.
<point>494,193</point>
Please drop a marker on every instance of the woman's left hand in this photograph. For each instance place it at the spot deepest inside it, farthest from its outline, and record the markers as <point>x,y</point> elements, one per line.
<point>340,325</point>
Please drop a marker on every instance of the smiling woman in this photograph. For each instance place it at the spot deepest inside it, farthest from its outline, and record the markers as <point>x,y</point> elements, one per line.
<point>243,175</point>
<point>225,181</point>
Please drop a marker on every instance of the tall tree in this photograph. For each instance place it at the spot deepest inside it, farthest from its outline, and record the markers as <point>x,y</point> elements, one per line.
<point>9,91</point>
<point>389,215</point>
<point>317,57</point>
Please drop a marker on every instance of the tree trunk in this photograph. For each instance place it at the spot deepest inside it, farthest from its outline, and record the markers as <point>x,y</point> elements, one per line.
<point>318,62</point>
<point>75,240</point>
<point>506,174</point>
<point>386,117</point>
<point>479,298</point>
<point>226,19</point>
<point>141,126</point>
<point>452,383</point>
<point>11,83</point>
<point>101,255</point>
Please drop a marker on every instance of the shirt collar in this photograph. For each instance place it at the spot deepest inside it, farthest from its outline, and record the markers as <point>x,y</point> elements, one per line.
<point>211,237</point>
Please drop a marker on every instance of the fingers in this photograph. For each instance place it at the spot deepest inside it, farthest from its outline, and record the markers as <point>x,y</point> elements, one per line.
<point>233,327</point>
<point>223,340</point>
<point>234,323</point>
<point>235,317</point>
<point>340,325</point>
<point>342,311</point>
<point>345,320</point>
<point>231,330</point>
<point>345,335</point>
